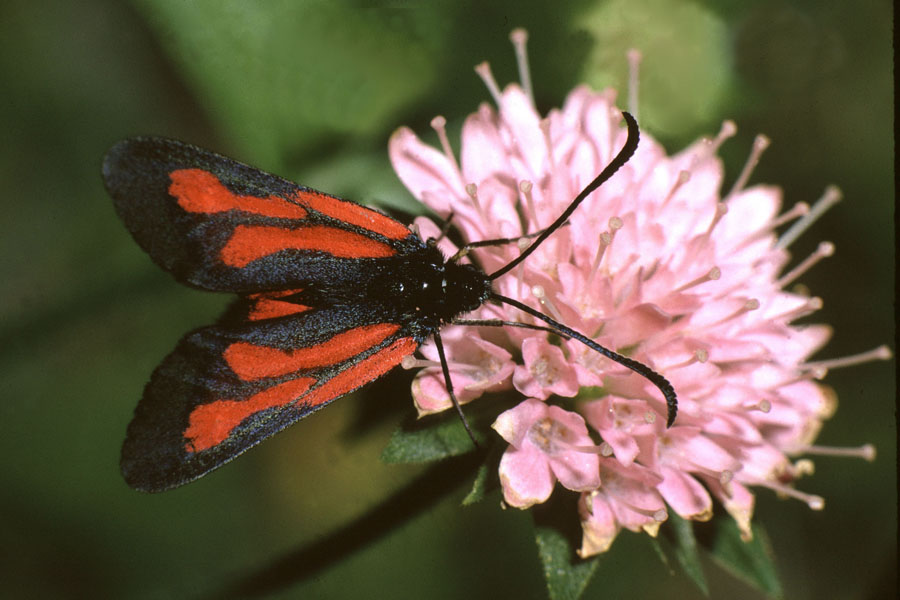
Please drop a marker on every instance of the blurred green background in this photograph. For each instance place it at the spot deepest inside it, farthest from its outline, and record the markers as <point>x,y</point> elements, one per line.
<point>312,90</point>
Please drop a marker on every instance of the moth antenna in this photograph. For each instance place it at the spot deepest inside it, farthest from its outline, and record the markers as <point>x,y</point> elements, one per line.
<point>640,368</point>
<point>621,158</point>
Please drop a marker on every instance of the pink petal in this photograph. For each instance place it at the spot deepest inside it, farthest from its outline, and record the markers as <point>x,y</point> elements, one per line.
<point>545,372</point>
<point>525,476</point>
<point>513,424</point>
<point>685,495</point>
<point>422,168</point>
<point>598,524</point>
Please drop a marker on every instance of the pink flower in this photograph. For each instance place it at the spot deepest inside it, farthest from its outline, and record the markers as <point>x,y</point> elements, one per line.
<point>544,447</point>
<point>659,264</point>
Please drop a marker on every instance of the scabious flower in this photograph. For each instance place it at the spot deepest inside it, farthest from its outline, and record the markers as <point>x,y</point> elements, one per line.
<point>657,264</point>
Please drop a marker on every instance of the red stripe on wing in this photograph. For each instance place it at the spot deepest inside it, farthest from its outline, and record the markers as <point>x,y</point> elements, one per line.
<point>250,362</point>
<point>200,191</point>
<point>268,305</point>
<point>250,242</point>
<point>211,424</point>
<point>361,373</point>
<point>350,212</point>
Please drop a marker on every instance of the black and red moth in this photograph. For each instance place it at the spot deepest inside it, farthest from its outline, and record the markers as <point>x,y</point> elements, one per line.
<point>331,295</point>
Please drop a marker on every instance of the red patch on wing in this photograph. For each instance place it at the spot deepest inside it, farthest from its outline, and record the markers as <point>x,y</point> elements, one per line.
<point>350,212</point>
<point>250,362</point>
<point>200,191</point>
<point>211,424</point>
<point>268,305</point>
<point>250,242</point>
<point>361,373</point>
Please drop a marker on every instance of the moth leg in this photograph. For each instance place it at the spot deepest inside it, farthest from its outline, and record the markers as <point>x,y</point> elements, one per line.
<point>446,369</point>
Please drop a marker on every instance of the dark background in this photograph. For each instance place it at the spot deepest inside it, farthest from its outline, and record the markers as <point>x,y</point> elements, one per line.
<point>312,91</point>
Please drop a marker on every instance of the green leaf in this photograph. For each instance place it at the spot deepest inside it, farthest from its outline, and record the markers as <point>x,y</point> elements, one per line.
<point>687,552</point>
<point>478,486</point>
<point>686,75</point>
<point>487,478</point>
<point>278,75</point>
<point>751,561</point>
<point>566,575</point>
<point>557,533</point>
<point>433,439</point>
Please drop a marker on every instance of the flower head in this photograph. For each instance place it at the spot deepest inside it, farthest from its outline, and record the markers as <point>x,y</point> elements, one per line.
<point>658,264</point>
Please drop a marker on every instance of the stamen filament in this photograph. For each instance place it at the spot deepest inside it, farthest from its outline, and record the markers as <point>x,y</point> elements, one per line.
<point>539,293</point>
<point>831,197</point>
<point>484,71</point>
<point>880,353</point>
<point>813,501</point>
<point>824,250</point>
<point>519,38</point>
<point>439,124</point>
<point>525,187</point>
<point>866,451</point>
<point>760,143</point>
<point>711,275</point>
<point>683,177</point>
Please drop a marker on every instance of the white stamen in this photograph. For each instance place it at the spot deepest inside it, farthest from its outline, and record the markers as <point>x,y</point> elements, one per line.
<point>606,239</point>
<point>721,211</point>
<point>472,192</point>
<point>818,374</point>
<point>807,308</point>
<point>800,209</point>
<point>750,305</point>
<point>525,187</point>
<point>519,39</point>
<point>538,292</point>
<point>728,130</point>
<point>763,406</point>
<point>814,502</point>
<point>699,355</point>
<point>865,452</point>
<point>649,417</point>
<point>760,143</point>
<point>606,450</point>
<point>711,275</point>
<point>824,250</point>
<point>411,362</point>
<point>709,147</point>
<point>831,197</point>
<point>683,177</point>
<point>634,71</point>
<point>880,353</point>
<point>484,71</point>
<point>439,124</point>
<point>548,143</point>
